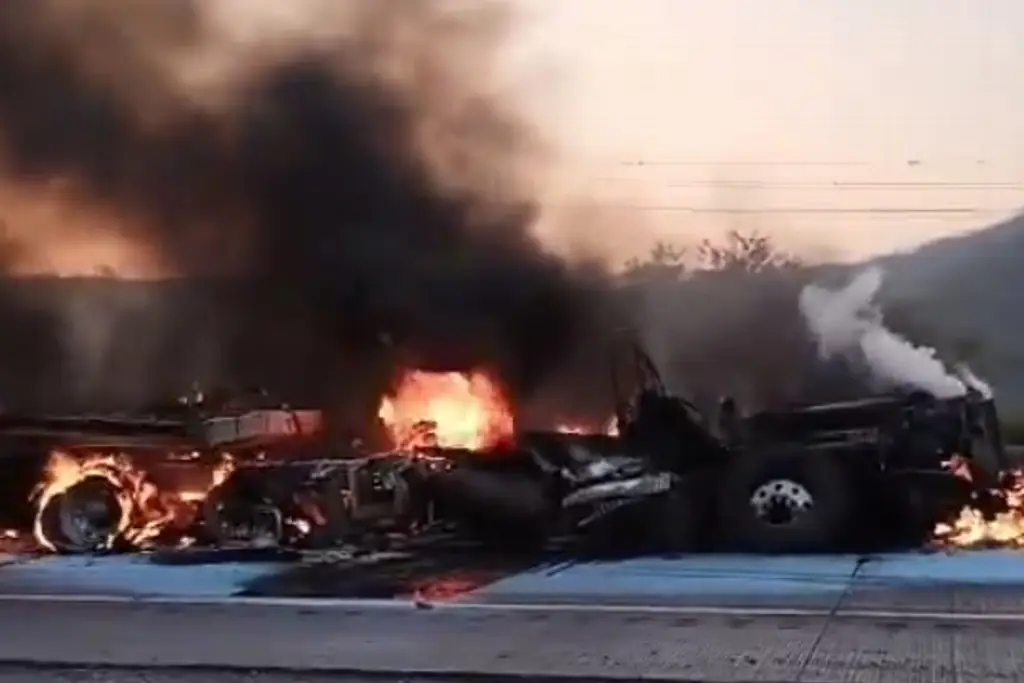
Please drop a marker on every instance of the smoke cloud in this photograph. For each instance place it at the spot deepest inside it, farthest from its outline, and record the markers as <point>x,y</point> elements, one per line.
<point>727,332</point>
<point>848,323</point>
<point>344,185</point>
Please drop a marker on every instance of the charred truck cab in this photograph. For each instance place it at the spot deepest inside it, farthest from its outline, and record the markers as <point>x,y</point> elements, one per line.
<point>642,489</point>
<point>813,478</point>
<point>881,469</point>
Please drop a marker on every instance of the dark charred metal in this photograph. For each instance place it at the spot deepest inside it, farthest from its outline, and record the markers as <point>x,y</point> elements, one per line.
<point>176,445</point>
<point>803,479</point>
<point>323,502</point>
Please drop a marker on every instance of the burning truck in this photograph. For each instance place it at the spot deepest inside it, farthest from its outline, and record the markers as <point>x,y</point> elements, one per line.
<point>658,477</point>
<point>661,478</point>
<point>809,478</point>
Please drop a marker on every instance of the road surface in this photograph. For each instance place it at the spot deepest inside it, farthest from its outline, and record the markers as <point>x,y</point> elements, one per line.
<point>707,618</point>
<point>35,675</point>
<point>530,642</point>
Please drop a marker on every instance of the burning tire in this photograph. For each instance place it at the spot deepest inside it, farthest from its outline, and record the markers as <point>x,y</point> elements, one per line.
<point>89,516</point>
<point>785,501</point>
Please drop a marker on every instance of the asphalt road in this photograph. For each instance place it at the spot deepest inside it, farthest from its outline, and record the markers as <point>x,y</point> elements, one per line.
<point>307,641</point>
<point>101,675</point>
<point>724,619</point>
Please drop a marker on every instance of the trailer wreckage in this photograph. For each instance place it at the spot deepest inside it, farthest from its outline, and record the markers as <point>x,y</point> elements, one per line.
<point>810,478</point>
<point>89,482</point>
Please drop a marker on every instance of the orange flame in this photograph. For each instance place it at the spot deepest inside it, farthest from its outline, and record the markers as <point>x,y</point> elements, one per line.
<point>145,511</point>
<point>447,410</point>
<point>14,542</point>
<point>610,428</point>
<point>971,528</point>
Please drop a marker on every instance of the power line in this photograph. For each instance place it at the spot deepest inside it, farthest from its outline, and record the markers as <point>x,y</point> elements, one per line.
<point>877,210</point>
<point>681,162</point>
<point>842,185</point>
<point>907,163</point>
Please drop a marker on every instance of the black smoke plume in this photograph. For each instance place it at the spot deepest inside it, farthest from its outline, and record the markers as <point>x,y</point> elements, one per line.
<point>338,200</point>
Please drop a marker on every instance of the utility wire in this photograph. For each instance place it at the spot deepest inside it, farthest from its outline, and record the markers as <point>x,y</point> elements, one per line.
<point>822,163</point>
<point>878,210</point>
<point>668,162</point>
<point>839,185</point>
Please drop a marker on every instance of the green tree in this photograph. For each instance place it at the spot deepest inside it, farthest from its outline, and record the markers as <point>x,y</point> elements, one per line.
<point>737,252</point>
<point>745,253</point>
<point>665,263</point>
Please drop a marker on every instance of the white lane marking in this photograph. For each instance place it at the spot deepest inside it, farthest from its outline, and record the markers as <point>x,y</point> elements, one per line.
<point>397,605</point>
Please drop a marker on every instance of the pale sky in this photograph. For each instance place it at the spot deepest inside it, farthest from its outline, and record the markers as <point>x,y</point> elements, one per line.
<point>859,105</point>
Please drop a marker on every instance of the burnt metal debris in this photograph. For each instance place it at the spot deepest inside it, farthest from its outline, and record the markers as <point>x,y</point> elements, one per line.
<point>805,479</point>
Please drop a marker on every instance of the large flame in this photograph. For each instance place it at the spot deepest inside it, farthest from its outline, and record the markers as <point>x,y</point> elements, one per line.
<point>447,410</point>
<point>145,511</point>
<point>972,529</point>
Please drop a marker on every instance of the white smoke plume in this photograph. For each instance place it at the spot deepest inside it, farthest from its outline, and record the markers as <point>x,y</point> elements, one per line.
<point>848,323</point>
<point>968,377</point>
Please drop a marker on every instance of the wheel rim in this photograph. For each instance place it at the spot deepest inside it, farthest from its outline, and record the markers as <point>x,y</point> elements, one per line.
<point>257,525</point>
<point>89,516</point>
<point>780,502</point>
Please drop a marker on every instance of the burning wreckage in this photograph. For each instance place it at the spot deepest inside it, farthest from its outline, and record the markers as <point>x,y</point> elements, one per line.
<point>136,480</point>
<point>661,478</point>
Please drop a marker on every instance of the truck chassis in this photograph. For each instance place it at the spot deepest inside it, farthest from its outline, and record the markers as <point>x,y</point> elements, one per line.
<point>805,479</point>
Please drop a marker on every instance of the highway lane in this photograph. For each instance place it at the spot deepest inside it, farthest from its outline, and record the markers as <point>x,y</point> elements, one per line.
<point>584,644</point>
<point>102,675</point>
<point>929,581</point>
<point>725,619</point>
<point>382,576</point>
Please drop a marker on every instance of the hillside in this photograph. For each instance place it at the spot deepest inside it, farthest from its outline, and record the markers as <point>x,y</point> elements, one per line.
<point>966,290</point>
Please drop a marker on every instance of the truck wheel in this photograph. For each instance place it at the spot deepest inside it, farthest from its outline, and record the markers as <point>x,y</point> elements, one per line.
<point>785,501</point>
<point>228,519</point>
<point>89,517</point>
